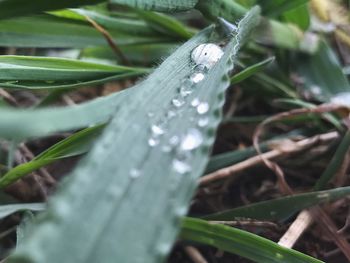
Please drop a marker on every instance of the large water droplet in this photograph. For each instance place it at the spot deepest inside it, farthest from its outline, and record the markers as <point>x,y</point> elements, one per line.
<point>181,166</point>
<point>207,55</point>
<point>202,108</point>
<point>192,140</point>
<point>178,102</point>
<point>135,173</point>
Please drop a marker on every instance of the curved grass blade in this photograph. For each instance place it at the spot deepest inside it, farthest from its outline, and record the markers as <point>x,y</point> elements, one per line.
<point>282,208</point>
<point>45,121</point>
<point>142,186</point>
<point>129,26</point>
<point>322,74</point>
<point>240,242</point>
<point>64,85</point>
<point>48,31</point>
<point>159,5</point>
<point>74,145</point>
<point>251,70</point>
<point>6,210</point>
<point>56,69</point>
<point>15,8</point>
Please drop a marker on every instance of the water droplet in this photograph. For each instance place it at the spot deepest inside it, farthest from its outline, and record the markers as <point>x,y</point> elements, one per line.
<point>202,122</point>
<point>153,141</point>
<point>135,173</point>
<point>197,77</point>
<point>207,55</point>
<point>150,114</point>
<point>181,166</point>
<point>157,129</point>
<point>195,102</point>
<point>202,108</point>
<point>181,210</point>
<point>192,140</point>
<point>178,102</point>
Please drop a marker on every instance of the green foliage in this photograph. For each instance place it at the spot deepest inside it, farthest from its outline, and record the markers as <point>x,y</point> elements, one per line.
<point>240,242</point>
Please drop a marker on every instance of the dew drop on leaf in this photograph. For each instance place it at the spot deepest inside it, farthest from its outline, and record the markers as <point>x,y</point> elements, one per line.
<point>178,102</point>
<point>195,102</point>
<point>181,166</point>
<point>207,55</point>
<point>197,77</point>
<point>202,122</point>
<point>192,140</point>
<point>202,108</point>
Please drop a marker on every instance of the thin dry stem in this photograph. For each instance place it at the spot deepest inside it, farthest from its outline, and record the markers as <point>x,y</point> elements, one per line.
<point>195,254</point>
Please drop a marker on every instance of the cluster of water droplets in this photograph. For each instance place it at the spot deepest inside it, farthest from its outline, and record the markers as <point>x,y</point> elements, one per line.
<point>182,145</point>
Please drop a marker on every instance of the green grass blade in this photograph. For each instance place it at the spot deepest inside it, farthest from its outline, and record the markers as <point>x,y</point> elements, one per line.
<point>15,8</point>
<point>281,208</point>
<point>76,144</point>
<point>240,242</point>
<point>6,210</point>
<point>159,5</point>
<point>322,74</point>
<point>48,31</point>
<point>45,121</point>
<point>335,164</point>
<point>251,70</point>
<point>56,69</point>
<point>112,196</point>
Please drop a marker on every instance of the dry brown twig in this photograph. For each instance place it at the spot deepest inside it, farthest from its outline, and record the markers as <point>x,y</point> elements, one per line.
<point>306,217</point>
<point>109,40</point>
<point>195,254</point>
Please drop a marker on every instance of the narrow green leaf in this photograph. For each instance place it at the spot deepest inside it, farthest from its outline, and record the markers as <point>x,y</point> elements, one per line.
<point>277,7</point>
<point>144,185</point>
<point>15,8</point>
<point>76,144</point>
<point>129,26</point>
<point>240,242</point>
<point>335,164</point>
<point>165,24</point>
<point>159,5</point>
<point>6,210</point>
<point>282,208</point>
<point>251,70</point>
<point>45,121</point>
<point>49,31</point>
<point>322,74</point>
<point>56,69</point>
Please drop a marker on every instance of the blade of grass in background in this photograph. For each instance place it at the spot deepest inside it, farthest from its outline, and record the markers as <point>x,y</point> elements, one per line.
<point>57,69</point>
<point>282,208</point>
<point>159,5</point>
<point>45,121</point>
<point>251,70</point>
<point>15,8</point>
<point>48,31</point>
<point>6,210</point>
<point>240,242</point>
<point>76,144</point>
<point>146,196</point>
<point>321,74</point>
